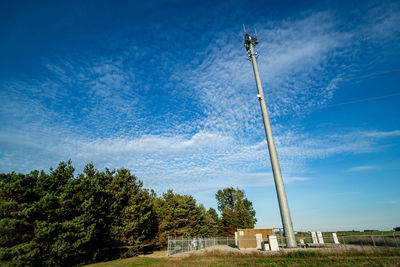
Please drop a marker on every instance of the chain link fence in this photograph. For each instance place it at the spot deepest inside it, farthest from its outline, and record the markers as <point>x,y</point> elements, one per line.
<point>179,245</point>
<point>383,240</point>
<point>371,240</point>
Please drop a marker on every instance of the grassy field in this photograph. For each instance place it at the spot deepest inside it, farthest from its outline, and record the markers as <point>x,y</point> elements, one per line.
<point>297,258</point>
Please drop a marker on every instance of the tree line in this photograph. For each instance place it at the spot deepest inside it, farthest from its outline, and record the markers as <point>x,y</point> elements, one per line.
<point>62,219</point>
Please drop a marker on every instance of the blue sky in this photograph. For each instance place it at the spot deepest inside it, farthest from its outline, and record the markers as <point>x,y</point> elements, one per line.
<point>164,89</point>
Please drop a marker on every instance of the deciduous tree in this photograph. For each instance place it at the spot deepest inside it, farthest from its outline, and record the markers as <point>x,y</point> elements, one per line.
<point>236,210</point>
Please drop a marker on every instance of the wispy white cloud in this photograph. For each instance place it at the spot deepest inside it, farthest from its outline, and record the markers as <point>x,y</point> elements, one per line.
<point>362,168</point>
<point>298,66</point>
<point>383,21</point>
<point>201,162</point>
<point>378,134</point>
<point>201,129</point>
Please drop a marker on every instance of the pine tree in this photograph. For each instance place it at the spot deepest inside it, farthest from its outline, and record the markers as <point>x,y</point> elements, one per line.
<point>59,219</point>
<point>179,216</point>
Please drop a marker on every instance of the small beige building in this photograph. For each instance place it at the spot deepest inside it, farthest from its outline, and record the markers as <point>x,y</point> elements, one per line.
<point>253,238</point>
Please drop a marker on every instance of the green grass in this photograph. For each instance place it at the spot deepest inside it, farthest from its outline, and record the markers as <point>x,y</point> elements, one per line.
<point>297,258</point>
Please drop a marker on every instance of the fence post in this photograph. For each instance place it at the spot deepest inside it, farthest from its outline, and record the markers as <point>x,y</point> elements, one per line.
<point>373,241</point>
<point>344,242</point>
<point>168,248</point>
<point>395,240</point>
<point>384,241</point>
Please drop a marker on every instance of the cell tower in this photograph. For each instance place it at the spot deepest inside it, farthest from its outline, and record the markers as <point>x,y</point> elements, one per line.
<point>250,42</point>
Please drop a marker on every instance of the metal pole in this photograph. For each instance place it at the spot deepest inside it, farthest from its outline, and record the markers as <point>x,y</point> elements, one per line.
<point>384,239</point>
<point>169,248</point>
<point>250,41</point>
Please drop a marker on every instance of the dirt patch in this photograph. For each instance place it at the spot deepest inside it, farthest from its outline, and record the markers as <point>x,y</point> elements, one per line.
<point>155,254</point>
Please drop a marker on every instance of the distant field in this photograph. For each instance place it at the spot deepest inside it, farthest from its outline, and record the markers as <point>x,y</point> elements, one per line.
<point>368,233</point>
<point>297,258</point>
